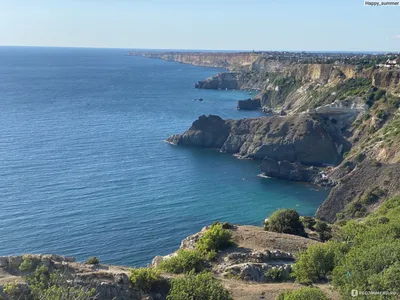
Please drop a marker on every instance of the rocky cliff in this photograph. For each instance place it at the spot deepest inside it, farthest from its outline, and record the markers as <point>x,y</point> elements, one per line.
<point>302,138</point>
<point>207,59</point>
<point>336,108</point>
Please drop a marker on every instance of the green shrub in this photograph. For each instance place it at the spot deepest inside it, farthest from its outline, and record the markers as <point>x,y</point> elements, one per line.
<point>275,275</point>
<point>355,209</point>
<point>323,230</point>
<point>214,239</point>
<point>12,290</point>
<point>27,265</point>
<point>305,293</point>
<point>145,279</point>
<point>372,196</point>
<point>308,222</point>
<point>185,261</point>
<point>317,262</point>
<point>45,285</point>
<point>286,221</point>
<point>360,157</point>
<point>200,286</point>
<point>373,260</point>
<point>92,261</point>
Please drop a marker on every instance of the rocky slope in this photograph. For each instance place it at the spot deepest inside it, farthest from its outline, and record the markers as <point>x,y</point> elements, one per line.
<point>331,109</point>
<point>239,267</point>
<point>109,282</point>
<point>301,139</point>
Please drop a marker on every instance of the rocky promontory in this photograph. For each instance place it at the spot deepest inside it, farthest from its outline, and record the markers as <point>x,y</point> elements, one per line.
<point>299,138</point>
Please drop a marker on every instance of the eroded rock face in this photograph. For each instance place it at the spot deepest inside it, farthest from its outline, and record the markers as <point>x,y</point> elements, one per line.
<point>252,265</point>
<point>255,272</point>
<point>297,138</point>
<point>357,183</point>
<point>223,81</point>
<point>207,132</point>
<point>287,170</point>
<point>249,104</point>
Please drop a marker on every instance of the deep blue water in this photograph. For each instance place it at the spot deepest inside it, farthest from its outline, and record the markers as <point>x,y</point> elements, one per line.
<point>83,167</point>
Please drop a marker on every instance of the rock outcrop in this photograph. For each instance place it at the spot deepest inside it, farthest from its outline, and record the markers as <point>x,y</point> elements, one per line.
<point>221,81</point>
<point>287,170</point>
<point>360,181</point>
<point>249,104</point>
<point>109,282</point>
<point>255,251</point>
<point>297,138</point>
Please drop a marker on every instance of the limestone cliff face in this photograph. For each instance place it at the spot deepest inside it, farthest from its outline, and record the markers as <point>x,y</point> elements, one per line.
<point>206,59</point>
<point>221,81</point>
<point>299,138</point>
<point>389,80</point>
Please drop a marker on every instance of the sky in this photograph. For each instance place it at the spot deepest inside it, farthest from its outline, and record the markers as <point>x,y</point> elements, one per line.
<point>291,25</point>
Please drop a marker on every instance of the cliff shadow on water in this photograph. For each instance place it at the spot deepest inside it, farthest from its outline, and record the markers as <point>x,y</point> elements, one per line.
<point>234,191</point>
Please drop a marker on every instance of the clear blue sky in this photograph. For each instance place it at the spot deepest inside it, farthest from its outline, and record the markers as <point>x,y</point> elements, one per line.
<point>201,24</point>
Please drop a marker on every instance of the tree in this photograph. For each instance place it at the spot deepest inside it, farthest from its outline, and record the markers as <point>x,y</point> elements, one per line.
<point>285,221</point>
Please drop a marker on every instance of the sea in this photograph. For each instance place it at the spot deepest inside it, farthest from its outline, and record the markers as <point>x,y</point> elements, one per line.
<point>85,169</point>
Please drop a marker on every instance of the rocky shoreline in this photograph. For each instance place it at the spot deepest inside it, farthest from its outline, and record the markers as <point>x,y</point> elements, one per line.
<point>319,113</point>
<point>255,251</point>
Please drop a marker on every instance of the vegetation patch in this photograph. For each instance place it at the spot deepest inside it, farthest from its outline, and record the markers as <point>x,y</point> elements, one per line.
<point>46,285</point>
<point>145,279</point>
<point>184,262</point>
<point>275,275</point>
<point>92,261</point>
<point>365,255</point>
<point>215,238</point>
<point>372,196</point>
<point>197,286</point>
<point>285,221</point>
<point>305,293</point>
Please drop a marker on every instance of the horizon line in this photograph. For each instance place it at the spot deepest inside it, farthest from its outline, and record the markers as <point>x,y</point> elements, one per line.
<point>199,50</point>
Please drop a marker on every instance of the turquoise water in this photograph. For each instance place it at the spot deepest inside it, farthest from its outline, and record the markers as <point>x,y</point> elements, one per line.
<point>85,171</point>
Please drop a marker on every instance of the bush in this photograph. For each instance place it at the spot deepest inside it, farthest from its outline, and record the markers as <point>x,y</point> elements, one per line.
<point>45,285</point>
<point>372,196</point>
<point>92,261</point>
<point>286,221</point>
<point>275,275</point>
<point>12,290</point>
<point>317,262</point>
<point>200,286</point>
<point>373,261</point>
<point>214,239</point>
<point>185,261</point>
<point>305,293</point>
<point>145,279</point>
<point>323,230</point>
<point>308,222</point>
<point>360,157</point>
<point>27,265</point>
